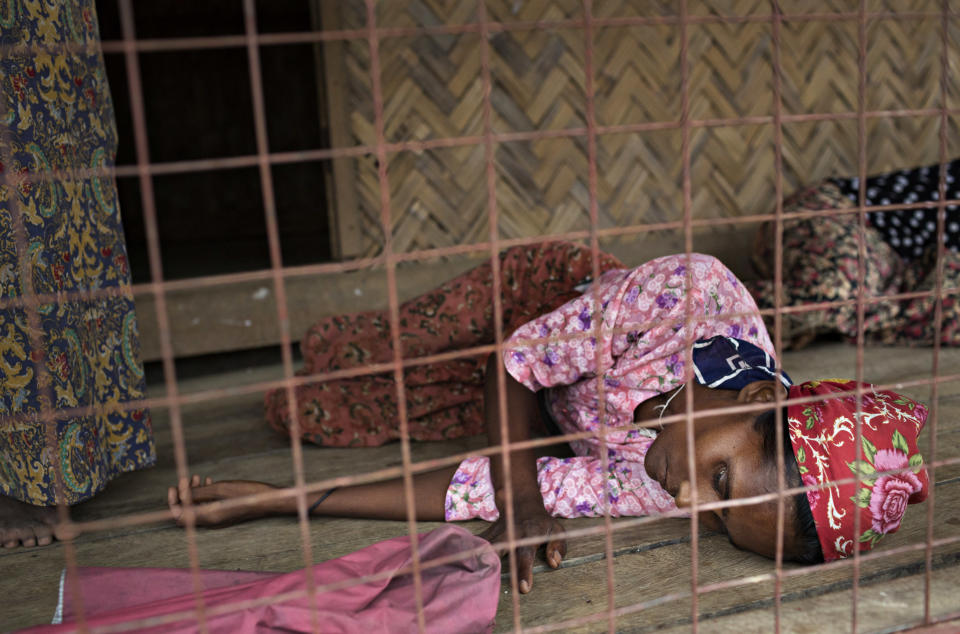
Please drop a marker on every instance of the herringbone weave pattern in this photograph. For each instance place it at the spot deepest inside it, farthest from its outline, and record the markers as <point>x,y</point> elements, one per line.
<point>432,89</point>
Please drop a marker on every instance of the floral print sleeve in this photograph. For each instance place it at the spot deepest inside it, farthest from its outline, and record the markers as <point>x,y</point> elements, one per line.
<point>571,487</point>
<point>575,487</point>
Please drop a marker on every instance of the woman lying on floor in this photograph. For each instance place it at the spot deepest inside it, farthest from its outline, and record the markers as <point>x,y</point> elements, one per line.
<point>821,259</point>
<point>552,387</point>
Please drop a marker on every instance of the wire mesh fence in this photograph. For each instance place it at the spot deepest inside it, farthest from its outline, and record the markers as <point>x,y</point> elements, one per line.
<point>589,21</point>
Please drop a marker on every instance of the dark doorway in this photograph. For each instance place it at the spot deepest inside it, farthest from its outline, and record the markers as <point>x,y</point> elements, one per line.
<point>198,106</point>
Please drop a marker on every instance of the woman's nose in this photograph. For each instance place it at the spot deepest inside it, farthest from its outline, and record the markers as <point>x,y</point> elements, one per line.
<point>683,495</point>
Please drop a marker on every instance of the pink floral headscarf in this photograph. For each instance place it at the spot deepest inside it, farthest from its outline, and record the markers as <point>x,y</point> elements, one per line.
<point>892,475</point>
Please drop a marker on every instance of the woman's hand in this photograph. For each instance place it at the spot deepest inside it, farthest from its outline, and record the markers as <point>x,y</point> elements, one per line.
<point>531,520</point>
<point>206,490</point>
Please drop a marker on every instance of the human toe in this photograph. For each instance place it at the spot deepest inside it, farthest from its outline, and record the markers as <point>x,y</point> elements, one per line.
<point>9,538</point>
<point>16,537</point>
<point>43,533</point>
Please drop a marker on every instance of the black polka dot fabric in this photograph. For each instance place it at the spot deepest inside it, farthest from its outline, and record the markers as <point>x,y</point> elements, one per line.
<point>910,231</point>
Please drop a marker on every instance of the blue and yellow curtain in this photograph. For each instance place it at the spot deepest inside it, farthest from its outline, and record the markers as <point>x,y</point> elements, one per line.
<point>57,117</point>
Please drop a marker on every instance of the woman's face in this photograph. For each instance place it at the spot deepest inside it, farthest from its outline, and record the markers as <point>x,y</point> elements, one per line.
<point>730,463</point>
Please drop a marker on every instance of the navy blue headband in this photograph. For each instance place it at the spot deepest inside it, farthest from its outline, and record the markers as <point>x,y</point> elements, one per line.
<point>730,364</point>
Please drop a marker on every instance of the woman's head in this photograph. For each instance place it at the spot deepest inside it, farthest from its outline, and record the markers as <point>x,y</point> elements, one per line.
<point>807,543</point>
<point>735,457</point>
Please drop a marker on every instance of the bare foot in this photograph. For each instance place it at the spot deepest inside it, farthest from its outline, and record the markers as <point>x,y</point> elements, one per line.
<point>207,490</point>
<point>24,524</point>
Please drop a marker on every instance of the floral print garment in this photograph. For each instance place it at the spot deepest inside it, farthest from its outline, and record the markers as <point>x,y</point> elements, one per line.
<point>59,118</point>
<point>821,264</point>
<point>642,342</point>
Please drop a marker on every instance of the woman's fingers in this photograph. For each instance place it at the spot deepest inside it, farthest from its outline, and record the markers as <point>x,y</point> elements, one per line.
<point>173,501</point>
<point>177,494</point>
<point>525,568</point>
<point>183,489</point>
<point>555,547</point>
<point>183,486</point>
<point>555,552</point>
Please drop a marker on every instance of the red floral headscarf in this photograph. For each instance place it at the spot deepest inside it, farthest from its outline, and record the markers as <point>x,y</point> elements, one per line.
<point>892,475</point>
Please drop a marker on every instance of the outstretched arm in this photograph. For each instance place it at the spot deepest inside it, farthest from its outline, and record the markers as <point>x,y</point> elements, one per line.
<point>385,499</point>
<point>376,500</point>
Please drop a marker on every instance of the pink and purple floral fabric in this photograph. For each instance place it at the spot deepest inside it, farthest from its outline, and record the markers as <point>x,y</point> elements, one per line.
<point>891,471</point>
<point>638,351</point>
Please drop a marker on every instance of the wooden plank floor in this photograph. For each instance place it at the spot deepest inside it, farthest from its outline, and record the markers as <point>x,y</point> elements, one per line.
<point>228,439</point>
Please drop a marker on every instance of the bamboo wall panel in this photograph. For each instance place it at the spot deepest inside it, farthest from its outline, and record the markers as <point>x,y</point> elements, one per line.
<point>432,89</point>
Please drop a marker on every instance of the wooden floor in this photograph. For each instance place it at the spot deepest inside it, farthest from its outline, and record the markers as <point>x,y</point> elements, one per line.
<point>228,439</point>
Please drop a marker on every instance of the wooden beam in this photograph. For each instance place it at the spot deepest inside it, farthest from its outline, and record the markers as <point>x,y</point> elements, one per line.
<point>243,316</point>
<point>333,100</point>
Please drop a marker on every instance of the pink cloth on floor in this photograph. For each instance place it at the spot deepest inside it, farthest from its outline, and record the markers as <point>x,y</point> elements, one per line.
<point>642,342</point>
<point>459,596</point>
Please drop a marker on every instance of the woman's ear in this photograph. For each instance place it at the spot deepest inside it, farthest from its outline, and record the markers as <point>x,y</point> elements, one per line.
<point>761,392</point>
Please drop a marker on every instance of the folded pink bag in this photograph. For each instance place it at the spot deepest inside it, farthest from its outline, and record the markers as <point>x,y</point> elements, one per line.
<point>458,596</point>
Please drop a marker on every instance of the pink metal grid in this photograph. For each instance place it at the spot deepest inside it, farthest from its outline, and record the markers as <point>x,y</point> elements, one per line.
<point>252,40</point>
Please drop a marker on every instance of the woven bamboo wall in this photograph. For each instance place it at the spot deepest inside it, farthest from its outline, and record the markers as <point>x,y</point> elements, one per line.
<point>432,88</point>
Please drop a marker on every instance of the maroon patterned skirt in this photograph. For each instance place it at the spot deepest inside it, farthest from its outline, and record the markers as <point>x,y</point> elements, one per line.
<point>444,400</point>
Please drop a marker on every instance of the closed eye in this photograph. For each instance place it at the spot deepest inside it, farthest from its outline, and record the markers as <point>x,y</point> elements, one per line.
<point>720,482</point>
